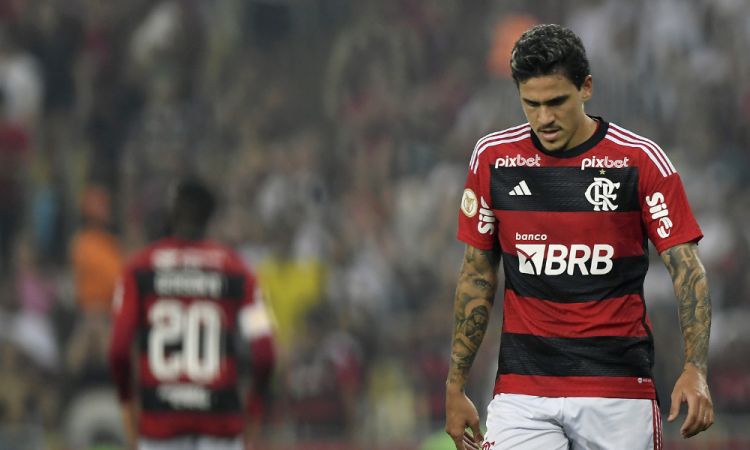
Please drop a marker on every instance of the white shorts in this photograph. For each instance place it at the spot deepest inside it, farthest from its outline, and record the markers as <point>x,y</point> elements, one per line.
<point>525,422</point>
<point>191,443</point>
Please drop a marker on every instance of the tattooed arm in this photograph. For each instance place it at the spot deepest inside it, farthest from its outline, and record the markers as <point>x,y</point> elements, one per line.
<point>694,306</point>
<point>475,296</point>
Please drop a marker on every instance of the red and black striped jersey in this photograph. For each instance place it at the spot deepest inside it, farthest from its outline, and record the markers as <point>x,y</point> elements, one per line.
<point>182,302</point>
<point>573,228</point>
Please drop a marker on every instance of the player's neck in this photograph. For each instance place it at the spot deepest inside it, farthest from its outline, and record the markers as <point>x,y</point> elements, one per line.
<point>585,130</point>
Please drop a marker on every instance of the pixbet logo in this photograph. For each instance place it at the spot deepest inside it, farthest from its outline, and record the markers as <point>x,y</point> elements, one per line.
<point>604,163</point>
<point>517,161</point>
<point>486,218</point>
<point>531,259</point>
<point>660,212</point>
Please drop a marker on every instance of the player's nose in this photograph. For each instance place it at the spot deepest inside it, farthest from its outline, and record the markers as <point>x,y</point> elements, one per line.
<point>546,118</point>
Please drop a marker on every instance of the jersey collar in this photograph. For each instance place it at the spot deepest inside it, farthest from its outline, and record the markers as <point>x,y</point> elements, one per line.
<point>579,149</point>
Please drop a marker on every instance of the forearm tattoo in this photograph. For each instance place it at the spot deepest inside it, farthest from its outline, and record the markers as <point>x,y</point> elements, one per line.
<point>475,296</point>
<point>693,301</point>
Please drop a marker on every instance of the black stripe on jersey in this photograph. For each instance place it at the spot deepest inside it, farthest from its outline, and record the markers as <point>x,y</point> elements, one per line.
<point>227,339</point>
<point>189,397</point>
<point>560,189</point>
<point>601,356</point>
<point>232,286</point>
<point>625,278</point>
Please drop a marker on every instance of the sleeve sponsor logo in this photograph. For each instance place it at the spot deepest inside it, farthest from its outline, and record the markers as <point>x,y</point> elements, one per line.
<point>601,194</point>
<point>518,161</point>
<point>660,212</point>
<point>469,203</point>
<point>486,219</point>
<point>604,163</point>
<point>560,259</point>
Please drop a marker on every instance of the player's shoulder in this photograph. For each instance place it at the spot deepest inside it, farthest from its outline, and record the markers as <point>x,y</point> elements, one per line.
<point>500,143</point>
<point>642,151</point>
<point>233,261</point>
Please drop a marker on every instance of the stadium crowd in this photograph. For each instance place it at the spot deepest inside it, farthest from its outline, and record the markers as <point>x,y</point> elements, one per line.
<point>337,134</point>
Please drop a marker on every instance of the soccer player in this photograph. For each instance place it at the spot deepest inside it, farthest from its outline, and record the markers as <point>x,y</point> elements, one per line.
<point>568,201</point>
<point>185,298</point>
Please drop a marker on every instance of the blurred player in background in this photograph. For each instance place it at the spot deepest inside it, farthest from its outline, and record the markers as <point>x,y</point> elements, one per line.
<point>569,202</point>
<point>182,300</point>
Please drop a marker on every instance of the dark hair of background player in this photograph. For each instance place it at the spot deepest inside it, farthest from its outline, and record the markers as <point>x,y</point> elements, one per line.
<point>547,50</point>
<point>191,206</point>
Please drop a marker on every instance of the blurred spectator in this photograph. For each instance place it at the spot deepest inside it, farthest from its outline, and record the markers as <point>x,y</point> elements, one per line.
<point>21,81</point>
<point>488,109</point>
<point>56,44</point>
<point>14,147</point>
<point>324,379</point>
<point>33,329</point>
<point>97,262</point>
<point>289,301</point>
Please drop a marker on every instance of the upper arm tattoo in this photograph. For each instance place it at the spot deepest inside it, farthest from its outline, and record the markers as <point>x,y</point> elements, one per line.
<point>475,296</point>
<point>693,300</point>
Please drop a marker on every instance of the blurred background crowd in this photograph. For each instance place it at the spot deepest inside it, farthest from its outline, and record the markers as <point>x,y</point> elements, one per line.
<point>337,134</point>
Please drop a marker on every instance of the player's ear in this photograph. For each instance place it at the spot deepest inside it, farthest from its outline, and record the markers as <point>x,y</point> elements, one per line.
<point>587,88</point>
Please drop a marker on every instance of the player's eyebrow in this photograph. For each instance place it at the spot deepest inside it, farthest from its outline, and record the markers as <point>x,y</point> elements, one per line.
<point>555,101</point>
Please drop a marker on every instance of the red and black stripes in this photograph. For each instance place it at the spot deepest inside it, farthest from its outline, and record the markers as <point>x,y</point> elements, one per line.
<point>658,438</point>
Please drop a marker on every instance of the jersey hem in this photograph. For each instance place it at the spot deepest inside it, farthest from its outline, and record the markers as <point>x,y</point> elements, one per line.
<point>605,387</point>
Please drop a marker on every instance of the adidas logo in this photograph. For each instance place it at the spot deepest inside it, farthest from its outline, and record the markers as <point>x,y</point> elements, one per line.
<point>521,189</point>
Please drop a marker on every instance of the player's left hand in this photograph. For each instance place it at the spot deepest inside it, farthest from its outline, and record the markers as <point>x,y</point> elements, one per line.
<point>693,389</point>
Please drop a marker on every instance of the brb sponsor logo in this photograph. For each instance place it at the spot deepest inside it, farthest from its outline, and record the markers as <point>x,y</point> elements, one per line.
<point>604,163</point>
<point>517,161</point>
<point>660,212</point>
<point>556,259</point>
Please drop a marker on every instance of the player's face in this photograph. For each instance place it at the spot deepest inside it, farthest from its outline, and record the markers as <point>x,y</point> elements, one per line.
<point>554,108</point>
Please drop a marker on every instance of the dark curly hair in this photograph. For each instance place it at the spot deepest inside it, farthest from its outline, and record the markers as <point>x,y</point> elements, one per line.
<point>192,202</point>
<point>546,50</point>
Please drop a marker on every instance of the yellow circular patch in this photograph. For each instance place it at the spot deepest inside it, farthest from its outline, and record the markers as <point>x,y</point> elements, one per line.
<point>469,203</point>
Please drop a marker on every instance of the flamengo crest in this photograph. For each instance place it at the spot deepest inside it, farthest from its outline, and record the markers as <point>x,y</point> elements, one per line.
<point>601,194</point>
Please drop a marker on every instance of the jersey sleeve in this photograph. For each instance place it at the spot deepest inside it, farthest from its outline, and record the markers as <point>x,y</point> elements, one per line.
<point>665,210</point>
<point>125,312</point>
<point>477,225</point>
<point>254,318</point>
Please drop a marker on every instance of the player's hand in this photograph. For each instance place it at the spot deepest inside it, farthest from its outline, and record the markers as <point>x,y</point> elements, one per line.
<point>460,415</point>
<point>692,388</point>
